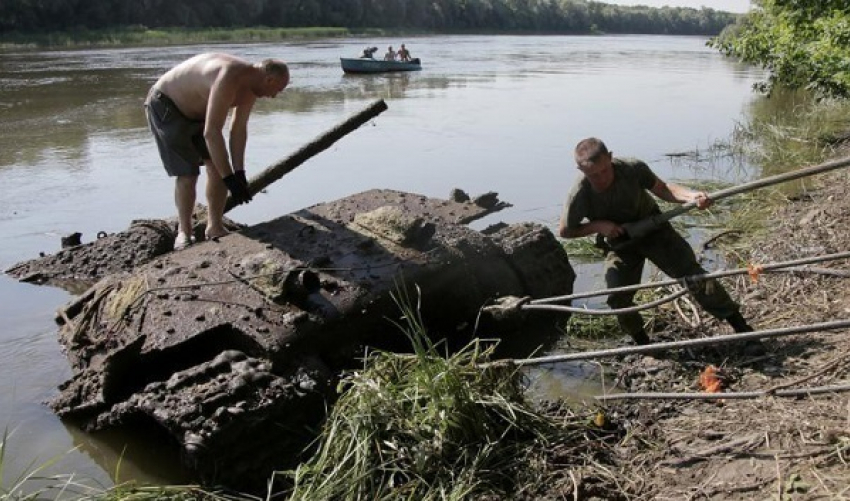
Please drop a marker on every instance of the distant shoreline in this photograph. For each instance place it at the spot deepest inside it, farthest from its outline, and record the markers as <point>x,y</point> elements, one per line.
<point>142,37</point>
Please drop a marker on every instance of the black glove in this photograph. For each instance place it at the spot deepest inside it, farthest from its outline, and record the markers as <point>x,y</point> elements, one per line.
<point>242,177</point>
<point>238,188</point>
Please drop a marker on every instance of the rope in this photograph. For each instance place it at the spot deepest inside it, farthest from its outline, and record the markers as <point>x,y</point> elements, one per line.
<point>716,274</point>
<point>741,395</point>
<point>688,343</point>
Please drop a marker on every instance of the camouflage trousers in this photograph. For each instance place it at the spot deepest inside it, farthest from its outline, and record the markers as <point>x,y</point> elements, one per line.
<point>672,254</point>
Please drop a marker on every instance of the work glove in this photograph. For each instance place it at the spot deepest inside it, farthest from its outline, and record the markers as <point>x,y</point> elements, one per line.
<point>238,188</point>
<point>242,176</point>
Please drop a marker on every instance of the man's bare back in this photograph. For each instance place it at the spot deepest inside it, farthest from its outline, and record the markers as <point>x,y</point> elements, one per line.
<point>189,83</point>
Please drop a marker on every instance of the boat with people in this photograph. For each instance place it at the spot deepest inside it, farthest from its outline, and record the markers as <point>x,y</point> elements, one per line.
<point>368,65</point>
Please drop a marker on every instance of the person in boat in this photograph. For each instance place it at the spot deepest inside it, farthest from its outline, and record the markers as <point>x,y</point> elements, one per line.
<point>369,52</point>
<point>614,191</point>
<point>186,110</point>
<point>403,54</point>
<point>390,55</point>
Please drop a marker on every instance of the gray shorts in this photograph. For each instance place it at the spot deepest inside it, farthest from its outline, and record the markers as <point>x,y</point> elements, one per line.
<point>180,140</point>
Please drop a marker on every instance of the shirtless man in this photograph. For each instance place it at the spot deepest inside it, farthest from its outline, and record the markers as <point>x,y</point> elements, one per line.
<point>187,109</point>
<point>403,53</point>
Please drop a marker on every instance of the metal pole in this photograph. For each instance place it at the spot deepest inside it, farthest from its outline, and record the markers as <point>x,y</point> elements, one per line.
<point>740,395</point>
<point>695,278</point>
<point>688,343</point>
<point>321,143</point>
<point>760,183</point>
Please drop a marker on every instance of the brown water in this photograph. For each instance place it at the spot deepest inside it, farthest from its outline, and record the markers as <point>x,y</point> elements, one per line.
<point>485,114</point>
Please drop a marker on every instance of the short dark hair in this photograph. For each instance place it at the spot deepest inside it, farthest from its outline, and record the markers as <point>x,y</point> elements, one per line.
<point>590,149</point>
<point>275,68</point>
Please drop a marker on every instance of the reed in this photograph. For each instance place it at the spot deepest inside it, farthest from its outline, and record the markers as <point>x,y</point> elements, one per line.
<point>133,492</point>
<point>16,486</point>
<point>35,483</point>
<point>427,425</point>
<point>778,140</point>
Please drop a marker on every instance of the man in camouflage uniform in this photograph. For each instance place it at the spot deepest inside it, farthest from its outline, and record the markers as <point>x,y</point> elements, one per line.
<point>615,191</point>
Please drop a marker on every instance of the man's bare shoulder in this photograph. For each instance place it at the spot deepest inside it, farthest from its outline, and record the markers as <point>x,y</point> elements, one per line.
<point>189,83</point>
<point>214,63</point>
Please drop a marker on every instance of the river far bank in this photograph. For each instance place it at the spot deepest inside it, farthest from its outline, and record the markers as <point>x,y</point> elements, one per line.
<point>140,36</point>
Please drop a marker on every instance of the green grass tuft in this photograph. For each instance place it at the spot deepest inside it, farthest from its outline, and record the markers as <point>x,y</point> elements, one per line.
<point>582,249</point>
<point>425,426</point>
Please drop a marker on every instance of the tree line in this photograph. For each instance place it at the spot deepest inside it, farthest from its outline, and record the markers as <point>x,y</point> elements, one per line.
<point>538,16</point>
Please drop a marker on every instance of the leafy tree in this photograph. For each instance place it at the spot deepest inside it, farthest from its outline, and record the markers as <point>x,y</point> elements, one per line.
<point>802,44</point>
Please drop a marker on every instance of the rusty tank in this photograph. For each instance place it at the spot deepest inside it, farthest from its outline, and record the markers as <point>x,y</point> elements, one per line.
<point>232,346</point>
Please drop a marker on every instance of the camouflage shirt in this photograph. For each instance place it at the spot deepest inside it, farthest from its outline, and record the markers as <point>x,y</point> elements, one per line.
<point>626,200</point>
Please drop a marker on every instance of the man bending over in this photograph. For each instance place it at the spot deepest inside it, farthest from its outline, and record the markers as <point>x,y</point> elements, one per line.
<point>187,109</point>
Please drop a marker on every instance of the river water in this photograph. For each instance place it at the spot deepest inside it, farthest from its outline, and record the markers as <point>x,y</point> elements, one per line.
<point>486,113</point>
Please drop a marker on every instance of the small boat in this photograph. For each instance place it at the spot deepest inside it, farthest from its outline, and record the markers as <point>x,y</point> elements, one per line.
<point>367,65</point>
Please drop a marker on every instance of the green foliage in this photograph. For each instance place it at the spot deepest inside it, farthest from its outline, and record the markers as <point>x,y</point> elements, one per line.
<point>593,327</point>
<point>802,44</point>
<point>583,249</point>
<point>421,426</point>
<point>432,426</point>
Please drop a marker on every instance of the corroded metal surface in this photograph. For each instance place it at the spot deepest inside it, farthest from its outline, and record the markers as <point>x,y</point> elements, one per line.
<point>228,342</point>
<point>79,265</point>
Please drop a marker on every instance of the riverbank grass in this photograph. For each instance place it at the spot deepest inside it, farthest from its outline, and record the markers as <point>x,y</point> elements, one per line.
<point>434,426</point>
<point>424,426</point>
<point>788,131</point>
<point>780,140</point>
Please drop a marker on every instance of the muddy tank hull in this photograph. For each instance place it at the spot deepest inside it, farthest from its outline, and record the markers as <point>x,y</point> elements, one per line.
<point>233,345</point>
